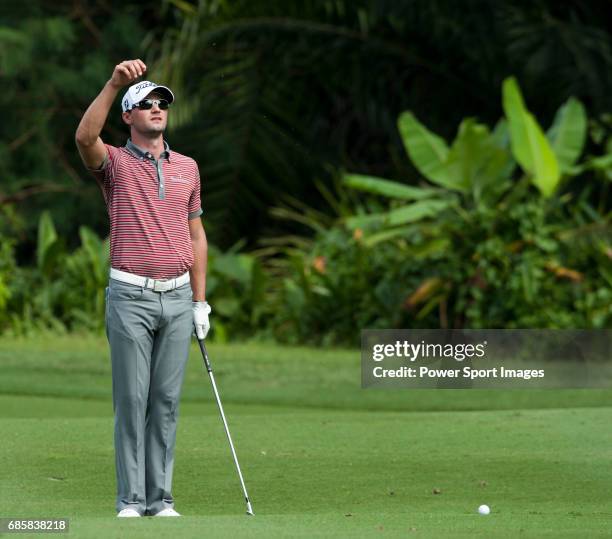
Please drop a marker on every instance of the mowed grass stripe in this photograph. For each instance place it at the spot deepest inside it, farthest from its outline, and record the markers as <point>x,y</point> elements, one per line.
<point>379,468</point>
<point>256,374</point>
<point>321,456</point>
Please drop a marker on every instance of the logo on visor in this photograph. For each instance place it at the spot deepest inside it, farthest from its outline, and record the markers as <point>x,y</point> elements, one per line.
<point>142,85</point>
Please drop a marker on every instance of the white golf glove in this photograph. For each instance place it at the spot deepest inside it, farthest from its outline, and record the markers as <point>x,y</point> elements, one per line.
<point>201,309</point>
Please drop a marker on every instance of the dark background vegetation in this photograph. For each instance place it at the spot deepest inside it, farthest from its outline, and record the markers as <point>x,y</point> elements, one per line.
<point>275,98</point>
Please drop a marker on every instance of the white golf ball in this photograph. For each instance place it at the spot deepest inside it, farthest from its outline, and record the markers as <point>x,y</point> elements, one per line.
<point>484,509</point>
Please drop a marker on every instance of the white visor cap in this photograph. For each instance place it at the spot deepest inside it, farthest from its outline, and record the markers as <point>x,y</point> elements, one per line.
<point>138,92</point>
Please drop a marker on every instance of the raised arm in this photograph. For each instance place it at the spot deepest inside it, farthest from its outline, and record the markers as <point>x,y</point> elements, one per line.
<point>87,137</point>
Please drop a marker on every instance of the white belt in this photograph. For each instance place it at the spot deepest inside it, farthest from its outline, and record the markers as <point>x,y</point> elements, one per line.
<point>156,284</point>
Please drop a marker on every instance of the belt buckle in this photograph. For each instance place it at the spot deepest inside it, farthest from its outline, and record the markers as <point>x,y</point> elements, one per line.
<point>160,288</point>
<point>164,286</point>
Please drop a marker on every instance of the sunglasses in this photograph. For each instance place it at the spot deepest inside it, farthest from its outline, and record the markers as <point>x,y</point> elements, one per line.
<point>147,104</point>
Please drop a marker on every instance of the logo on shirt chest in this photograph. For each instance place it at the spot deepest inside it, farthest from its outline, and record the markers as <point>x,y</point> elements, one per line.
<point>178,178</point>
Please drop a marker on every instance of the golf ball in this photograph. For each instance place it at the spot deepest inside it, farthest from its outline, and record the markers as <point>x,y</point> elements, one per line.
<point>484,509</point>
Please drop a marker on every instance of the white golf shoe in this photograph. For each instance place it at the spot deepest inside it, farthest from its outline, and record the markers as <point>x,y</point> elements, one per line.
<point>128,512</point>
<point>167,512</point>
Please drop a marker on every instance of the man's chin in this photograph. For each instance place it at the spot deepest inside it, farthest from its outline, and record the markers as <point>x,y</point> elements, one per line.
<point>154,130</point>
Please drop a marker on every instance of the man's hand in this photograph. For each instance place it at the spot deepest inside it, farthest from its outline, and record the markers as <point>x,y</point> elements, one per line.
<point>201,310</point>
<point>127,72</point>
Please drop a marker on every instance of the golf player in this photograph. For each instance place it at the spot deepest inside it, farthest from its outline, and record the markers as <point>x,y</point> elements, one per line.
<point>156,288</point>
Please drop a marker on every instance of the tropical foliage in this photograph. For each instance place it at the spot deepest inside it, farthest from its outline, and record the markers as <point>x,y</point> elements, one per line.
<point>499,236</point>
<point>272,93</point>
<point>65,290</point>
<point>274,99</point>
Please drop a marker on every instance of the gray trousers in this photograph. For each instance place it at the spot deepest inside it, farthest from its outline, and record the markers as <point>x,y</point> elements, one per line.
<point>149,334</point>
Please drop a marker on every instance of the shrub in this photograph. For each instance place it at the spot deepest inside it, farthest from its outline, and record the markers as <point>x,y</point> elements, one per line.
<point>498,237</point>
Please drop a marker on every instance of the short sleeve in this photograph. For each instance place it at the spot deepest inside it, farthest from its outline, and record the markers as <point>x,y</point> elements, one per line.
<point>195,204</point>
<point>104,175</point>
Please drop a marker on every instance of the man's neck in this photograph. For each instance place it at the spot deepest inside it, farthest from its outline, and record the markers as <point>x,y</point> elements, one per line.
<point>155,146</point>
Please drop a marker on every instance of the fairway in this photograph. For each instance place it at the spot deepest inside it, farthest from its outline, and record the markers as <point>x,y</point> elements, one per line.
<point>321,457</point>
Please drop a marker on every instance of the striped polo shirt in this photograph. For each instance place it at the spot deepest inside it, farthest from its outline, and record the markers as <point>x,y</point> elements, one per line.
<point>149,203</point>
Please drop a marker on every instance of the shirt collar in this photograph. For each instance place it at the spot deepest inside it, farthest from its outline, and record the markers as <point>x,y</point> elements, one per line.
<point>144,154</point>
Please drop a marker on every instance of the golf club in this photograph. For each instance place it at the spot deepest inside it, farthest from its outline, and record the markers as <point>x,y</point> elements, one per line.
<point>227,432</point>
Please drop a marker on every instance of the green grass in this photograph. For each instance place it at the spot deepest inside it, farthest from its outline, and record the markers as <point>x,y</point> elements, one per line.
<point>321,457</point>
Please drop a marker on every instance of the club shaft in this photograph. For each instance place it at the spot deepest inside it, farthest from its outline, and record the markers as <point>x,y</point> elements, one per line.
<point>222,413</point>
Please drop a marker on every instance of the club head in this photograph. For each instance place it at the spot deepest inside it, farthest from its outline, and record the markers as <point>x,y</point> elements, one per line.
<point>250,510</point>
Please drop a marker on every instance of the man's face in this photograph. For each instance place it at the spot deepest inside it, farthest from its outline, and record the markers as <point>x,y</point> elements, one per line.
<point>147,122</point>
